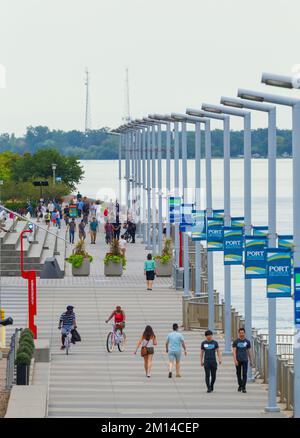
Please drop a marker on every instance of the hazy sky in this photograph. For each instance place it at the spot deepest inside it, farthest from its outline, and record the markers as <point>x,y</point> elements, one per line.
<point>180,53</point>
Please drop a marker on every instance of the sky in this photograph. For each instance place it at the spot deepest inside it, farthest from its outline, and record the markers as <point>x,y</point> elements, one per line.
<point>179,54</point>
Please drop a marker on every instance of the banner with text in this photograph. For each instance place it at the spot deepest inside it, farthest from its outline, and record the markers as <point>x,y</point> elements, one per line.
<point>233,245</point>
<point>215,234</point>
<point>255,257</point>
<point>279,272</point>
<point>297,297</point>
<point>199,227</point>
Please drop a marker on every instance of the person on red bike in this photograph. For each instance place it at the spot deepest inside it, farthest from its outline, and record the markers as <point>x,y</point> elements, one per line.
<point>119,317</point>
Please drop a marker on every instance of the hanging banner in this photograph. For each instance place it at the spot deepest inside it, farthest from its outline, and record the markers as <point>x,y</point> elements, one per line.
<point>215,234</point>
<point>286,241</point>
<point>186,221</point>
<point>238,222</point>
<point>199,225</point>
<point>297,297</point>
<point>218,214</point>
<point>255,257</point>
<point>260,231</point>
<point>233,245</point>
<point>279,272</point>
<point>174,209</point>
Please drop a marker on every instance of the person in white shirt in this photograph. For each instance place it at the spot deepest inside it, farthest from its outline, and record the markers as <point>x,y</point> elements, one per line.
<point>123,245</point>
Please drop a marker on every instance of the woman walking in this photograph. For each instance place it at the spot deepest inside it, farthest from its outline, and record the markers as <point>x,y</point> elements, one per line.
<point>147,342</point>
<point>81,228</point>
<point>149,270</point>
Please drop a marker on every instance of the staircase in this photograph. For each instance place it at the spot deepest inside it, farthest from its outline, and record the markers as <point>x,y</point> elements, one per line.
<point>38,245</point>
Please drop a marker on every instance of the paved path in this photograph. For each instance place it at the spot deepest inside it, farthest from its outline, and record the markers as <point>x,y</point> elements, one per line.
<point>93,383</point>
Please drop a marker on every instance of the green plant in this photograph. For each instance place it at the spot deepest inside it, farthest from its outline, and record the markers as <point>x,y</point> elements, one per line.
<point>26,331</point>
<point>166,253</point>
<point>78,255</point>
<point>23,359</point>
<point>27,342</point>
<point>25,348</point>
<point>115,254</point>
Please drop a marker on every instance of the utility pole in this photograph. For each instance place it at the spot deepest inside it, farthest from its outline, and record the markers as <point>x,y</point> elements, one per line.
<point>88,123</point>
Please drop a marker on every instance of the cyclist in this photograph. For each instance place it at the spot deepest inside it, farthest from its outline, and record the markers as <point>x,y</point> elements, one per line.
<point>67,322</point>
<point>119,316</point>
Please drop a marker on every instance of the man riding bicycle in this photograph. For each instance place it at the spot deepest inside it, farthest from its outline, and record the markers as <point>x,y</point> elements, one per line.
<point>67,322</point>
<point>119,316</point>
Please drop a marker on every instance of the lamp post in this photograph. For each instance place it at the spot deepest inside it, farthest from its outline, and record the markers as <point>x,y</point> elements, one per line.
<point>295,105</point>
<point>54,166</point>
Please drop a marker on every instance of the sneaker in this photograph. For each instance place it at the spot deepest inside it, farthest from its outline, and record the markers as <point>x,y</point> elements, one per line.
<point>239,389</point>
<point>244,391</point>
<point>212,388</point>
<point>170,374</point>
<point>62,347</point>
<point>208,390</point>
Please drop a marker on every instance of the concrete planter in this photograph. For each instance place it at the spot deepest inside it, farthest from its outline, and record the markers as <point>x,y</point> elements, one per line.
<point>163,269</point>
<point>112,269</point>
<point>84,270</point>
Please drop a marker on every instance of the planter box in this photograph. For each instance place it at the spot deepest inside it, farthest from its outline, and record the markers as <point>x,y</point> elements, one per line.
<point>112,269</point>
<point>163,269</point>
<point>84,270</point>
<point>23,374</point>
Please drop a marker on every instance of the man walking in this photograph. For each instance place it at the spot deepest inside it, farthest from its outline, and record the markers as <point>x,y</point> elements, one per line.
<point>72,229</point>
<point>241,354</point>
<point>209,348</point>
<point>93,230</point>
<point>174,345</point>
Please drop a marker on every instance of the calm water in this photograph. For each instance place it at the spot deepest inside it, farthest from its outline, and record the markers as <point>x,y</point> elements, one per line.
<point>101,182</point>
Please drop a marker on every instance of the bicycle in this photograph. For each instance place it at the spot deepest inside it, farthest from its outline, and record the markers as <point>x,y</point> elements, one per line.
<point>127,236</point>
<point>115,337</point>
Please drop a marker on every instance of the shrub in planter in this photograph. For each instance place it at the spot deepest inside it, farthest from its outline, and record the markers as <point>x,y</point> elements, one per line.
<point>25,348</point>
<point>80,260</point>
<point>23,365</point>
<point>27,331</point>
<point>164,265</point>
<point>27,340</point>
<point>114,257</point>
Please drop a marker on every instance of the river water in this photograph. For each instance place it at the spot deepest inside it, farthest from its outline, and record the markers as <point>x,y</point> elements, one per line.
<point>101,182</point>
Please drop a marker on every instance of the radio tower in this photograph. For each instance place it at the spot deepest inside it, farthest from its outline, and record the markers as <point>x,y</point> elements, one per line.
<point>88,122</point>
<point>127,117</point>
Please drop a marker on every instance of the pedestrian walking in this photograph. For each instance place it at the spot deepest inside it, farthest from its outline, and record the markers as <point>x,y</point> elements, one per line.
<point>242,355</point>
<point>108,228</point>
<point>93,230</point>
<point>131,227</point>
<point>149,270</point>
<point>147,342</point>
<point>47,218</point>
<point>123,245</point>
<point>79,207</point>
<point>175,343</point>
<point>117,230</point>
<point>81,228</point>
<point>58,220</point>
<point>72,230</point>
<point>53,217</point>
<point>209,349</point>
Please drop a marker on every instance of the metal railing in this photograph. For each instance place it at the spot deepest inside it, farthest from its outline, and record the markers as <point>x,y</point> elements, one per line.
<point>11,357</point>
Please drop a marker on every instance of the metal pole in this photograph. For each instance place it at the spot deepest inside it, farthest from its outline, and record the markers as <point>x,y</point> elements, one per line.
<point>144,184</point>
<point>184,197</point>
<point>198,261</point>
<point>168,174</point>
<point>272,352</point>
<point>148,189</point>
<point>248,221</point>
<point>120,168</point>
<point>296,227</point>
<point>227,219</point>
<point>159,175</point>
<point>176,188</point>
<point>154,218</point>
<point>127,170</point>
<point>139,184</point>
<point>210,262</point>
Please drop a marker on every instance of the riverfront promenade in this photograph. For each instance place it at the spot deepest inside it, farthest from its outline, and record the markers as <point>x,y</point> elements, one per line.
<point>93,383</point>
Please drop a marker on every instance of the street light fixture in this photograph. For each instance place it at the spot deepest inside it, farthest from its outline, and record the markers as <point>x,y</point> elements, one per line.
<point>278,80</point>
<point>54,166</point>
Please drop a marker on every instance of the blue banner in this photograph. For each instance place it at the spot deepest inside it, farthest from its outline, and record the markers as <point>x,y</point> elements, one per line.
<point>238,221</point>
<point>186,214</point>
<point>255,257</point>
<point>215,234</point>
<point>260,231</point>
<point>286,241</point>
<point>174,209</point>
<point>279,272</point>
<point>199,227</point>
<point>297,297</point>
<point>218,214</point>
<point>233,245</point>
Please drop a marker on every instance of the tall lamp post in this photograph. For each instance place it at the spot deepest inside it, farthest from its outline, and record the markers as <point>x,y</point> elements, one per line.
<point>54,166</point>
<point>295,105</point>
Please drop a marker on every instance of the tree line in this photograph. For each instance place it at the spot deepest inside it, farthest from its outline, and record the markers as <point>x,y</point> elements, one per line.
<point>102,145</point>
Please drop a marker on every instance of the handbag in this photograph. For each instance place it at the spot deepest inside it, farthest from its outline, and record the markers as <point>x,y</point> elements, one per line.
<point>75,336</point>
<point>144,350</point>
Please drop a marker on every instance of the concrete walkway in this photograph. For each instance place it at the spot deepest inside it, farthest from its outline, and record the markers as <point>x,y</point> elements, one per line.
<point>93,383</point>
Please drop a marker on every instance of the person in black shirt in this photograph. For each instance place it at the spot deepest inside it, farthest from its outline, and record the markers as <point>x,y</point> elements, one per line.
<point>241,353</point>
<point>131,227</point>
<point>209,349</point>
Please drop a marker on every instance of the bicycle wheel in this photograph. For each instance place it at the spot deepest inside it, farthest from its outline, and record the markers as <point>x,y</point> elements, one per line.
<point>110,342</point>
<point>122,343</point>
<point>128,238</point>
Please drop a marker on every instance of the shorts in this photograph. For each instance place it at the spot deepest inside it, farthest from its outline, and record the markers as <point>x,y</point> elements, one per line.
<point>174,355</point>
<point>150,275</point>
<point>66,329</point>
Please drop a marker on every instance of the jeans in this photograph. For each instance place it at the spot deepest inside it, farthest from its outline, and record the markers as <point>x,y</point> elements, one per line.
<point>210,374</point>
<point>241,372</point>
<point>72,235</point>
